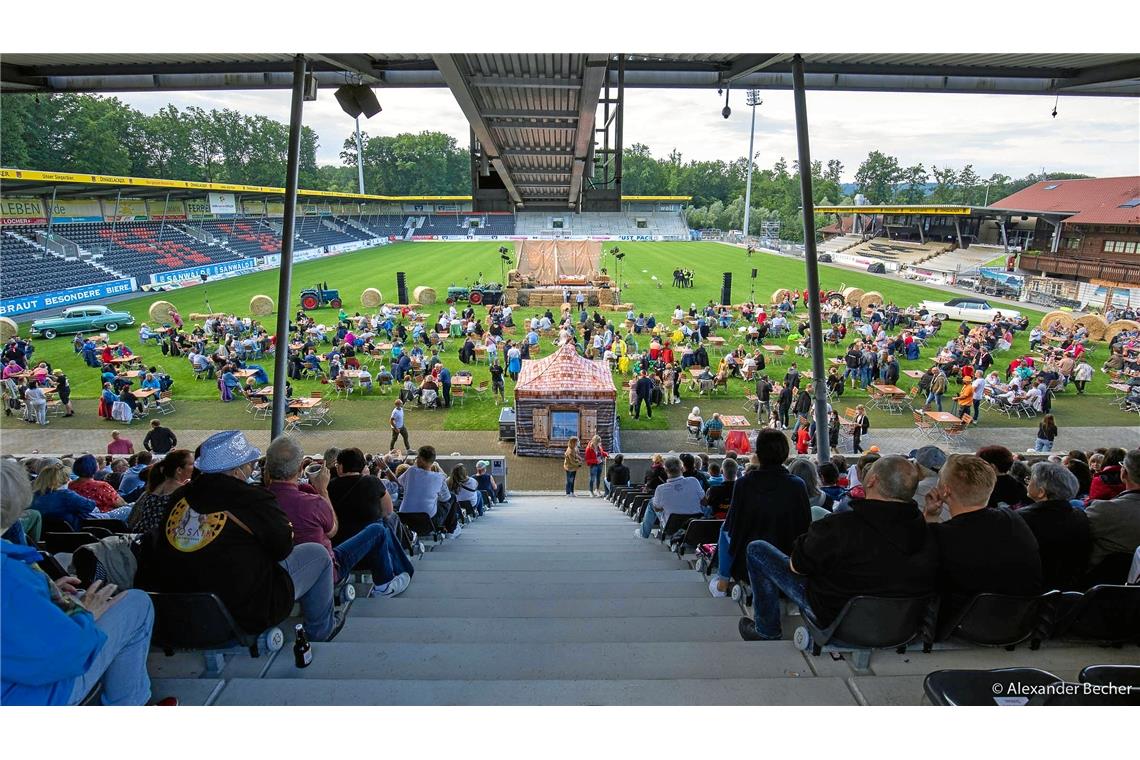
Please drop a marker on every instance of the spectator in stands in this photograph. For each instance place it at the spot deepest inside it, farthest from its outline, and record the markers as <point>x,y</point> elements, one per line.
<point>165,477</point>
<point>425,491</point>
<point>313,520</point>
<point>718,497</point>
<point>1061,530</point>
<point>1115,523</point>
<point>106,498</point>
<point>929,460</point>
<point>881,547</point>
<point>768,504</point>
<point>135,478</point>
<point>54,500</point>
<point>617,475</point>
<point>56,647</point>
<point>493,490</point>
<point>466,491</point>
<point>1108,482</point>
<point>118,468</point>
<point>120,445</point>
<point>679,495</point>
<point>160,439</point>
<point>1007,489</point>
<point>713,429</point>
<point>804,469</point>
<point>982,549</point>
<point>228,537</point>
<point>359,498</point>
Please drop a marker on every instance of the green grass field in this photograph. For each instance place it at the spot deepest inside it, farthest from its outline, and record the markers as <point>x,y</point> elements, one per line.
<point>439,264</point>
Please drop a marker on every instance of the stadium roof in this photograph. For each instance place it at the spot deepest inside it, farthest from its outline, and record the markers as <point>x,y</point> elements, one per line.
<point>533,114</point>
<point>1107,200</point>
<point>88,185</point>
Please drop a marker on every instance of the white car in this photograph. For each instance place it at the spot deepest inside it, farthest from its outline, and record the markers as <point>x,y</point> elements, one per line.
<point>968,309</point>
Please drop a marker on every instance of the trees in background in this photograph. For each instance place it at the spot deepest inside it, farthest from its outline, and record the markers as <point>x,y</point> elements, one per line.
<point>102,135</point>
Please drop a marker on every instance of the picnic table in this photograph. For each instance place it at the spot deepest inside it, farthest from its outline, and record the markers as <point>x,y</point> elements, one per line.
<point>244,373</point>
<point>306,402</point>
<point>143,394</point>
<point>696,372</point>
<point>735,421</point>
<point>889,390</point>
<point>716,340</point>
<point>462,381</point>
<point>779,350</point>
<point>944,418</point>
<point>914,373</point>
<point>118,361</point>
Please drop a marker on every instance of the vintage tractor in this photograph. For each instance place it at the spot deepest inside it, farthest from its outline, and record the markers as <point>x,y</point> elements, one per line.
<point>488,294</point>
<point>319,295</point>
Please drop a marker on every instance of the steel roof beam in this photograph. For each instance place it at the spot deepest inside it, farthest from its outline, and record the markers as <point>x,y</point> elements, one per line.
<point>1115,72</point>
<point>593,77</point>
<point>500,124</point>
<point>556,152</point>
<point>448,66</point>
<point>747,64</point>
<point>516,114</point>
<point>557,83</point>
<point>361,65</point>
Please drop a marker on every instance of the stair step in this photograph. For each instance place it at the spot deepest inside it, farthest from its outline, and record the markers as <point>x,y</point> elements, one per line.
<point>451,587</point>
<point>541,661</point>
<point>786,690</point>
<point>406,607</point>
<point>621,630</point>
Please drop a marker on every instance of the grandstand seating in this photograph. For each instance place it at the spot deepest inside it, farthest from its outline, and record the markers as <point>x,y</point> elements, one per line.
<point>311,231</point>
<point>963,259</point>
<point>248,238</point>
<point>670,224</point>
<point>434,224</point>
<point>29,269</point>
<point>904,253</point>
<point>839,243</point>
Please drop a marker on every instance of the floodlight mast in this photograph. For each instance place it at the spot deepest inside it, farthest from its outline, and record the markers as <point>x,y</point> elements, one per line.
<point>752,99</point>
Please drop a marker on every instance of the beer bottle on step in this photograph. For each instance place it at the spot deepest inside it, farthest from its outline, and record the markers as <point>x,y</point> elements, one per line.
<point>302,649</point>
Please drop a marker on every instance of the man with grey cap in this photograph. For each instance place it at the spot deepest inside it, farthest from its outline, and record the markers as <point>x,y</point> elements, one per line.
<point>486,481</point>
<point>225,536</point>
<point>929,460</point>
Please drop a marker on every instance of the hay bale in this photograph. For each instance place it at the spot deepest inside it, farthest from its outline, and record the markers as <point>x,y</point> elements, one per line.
<point>1095,324</point>
<point>371,298</point>
<point>1119,326</point>
<point>1062,318</point>
<point>8,329</point>
<point>779,295</point>
<point>160,312</point>
<point>261,305</point>
<point>870,299</point>
<point>424,295</point>
<point>853,296</point>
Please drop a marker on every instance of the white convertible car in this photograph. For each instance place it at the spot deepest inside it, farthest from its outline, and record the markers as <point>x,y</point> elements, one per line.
<point>967,309</point>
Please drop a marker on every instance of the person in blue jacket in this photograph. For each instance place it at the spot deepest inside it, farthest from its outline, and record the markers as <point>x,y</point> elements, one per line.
<point>54,647</point>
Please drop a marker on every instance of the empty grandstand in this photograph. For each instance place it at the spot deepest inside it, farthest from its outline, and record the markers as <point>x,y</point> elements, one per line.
<point>667,225</point>
<point>30,268</point>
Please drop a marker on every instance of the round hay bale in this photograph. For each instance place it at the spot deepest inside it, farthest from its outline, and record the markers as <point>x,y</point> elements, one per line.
<point>852,296</point>
<point>8,329</point>
<point>371,298</point>
<point>779,295</point>
<point>1062,318</point>
<point>260,305</point>
<point>160,312</point>
<point>1119,326</point>
<point>1095,324</point>
<point>870,299</point>
<point>424,295</point>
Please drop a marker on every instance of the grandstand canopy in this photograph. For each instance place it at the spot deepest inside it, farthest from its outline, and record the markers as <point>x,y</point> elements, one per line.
<point>532,115</point>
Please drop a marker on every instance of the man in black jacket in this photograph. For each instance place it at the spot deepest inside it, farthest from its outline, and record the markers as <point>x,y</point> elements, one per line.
<point>792,377</point>
<point>763,399</point>
<point>1062,531</point>
<point>160,439</point>
<point>228,537</point>
<point>784,405</point>
<point>881,547</point>
<point>644,390</point>
<point>768,504</point>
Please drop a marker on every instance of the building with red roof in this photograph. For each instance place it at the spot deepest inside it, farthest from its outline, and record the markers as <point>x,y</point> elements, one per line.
<point>1087,229</point>
<point>560,396</point>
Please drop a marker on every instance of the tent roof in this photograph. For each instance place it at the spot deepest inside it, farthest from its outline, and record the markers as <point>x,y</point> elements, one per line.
<point>564,372</point>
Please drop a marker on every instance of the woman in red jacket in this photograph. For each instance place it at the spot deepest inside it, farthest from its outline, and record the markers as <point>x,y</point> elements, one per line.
<point>1107,483</point>
<point>595,458</point>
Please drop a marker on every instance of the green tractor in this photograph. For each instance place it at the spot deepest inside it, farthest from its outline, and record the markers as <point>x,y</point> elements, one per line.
<point>319,295</point>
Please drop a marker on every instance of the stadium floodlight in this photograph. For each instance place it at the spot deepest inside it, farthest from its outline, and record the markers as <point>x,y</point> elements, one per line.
<point>752,98</point>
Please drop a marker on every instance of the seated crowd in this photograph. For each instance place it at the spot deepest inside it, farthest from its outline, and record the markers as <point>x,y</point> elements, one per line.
<point>262,532</point>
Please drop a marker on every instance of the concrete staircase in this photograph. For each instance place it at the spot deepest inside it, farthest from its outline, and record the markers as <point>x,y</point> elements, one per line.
<point>553,601</point>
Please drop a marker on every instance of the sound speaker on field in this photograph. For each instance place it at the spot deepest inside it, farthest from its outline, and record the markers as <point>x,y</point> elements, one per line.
<point>753,273</point>
<point>726,289</point>
<point>401,288</point>
<point>356,99</point>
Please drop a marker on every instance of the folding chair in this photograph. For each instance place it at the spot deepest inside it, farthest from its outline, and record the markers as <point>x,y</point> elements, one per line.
<point>997,620</point>
<point>165,403</point>
<point>866,623</point>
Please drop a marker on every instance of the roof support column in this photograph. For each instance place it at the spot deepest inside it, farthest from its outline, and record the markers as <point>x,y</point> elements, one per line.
<point>619,120</point>
<point>51,211</point>
<point>958,232</point>
<point>165,211</point>
<point>814,316</point>
<point>285,273</point>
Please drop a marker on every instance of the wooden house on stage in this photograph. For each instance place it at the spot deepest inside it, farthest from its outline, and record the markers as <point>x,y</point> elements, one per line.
<point>561,396</point>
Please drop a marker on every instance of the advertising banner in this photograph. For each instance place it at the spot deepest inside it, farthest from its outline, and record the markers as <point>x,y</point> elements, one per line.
<point>253,208</point>
<point>124,210</point>
<point>210,270</point>
<point>275,208</point>
<point>198,208</point>
<point>222,203</point>
<point>68,211</point>
<point>68,297</point>
<point>172,210</point>
<point>22,211</point>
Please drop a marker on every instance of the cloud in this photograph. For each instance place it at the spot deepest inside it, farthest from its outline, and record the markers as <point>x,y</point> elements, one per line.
<point>1013,135</point>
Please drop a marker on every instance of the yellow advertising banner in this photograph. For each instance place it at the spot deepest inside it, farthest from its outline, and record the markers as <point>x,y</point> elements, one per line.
<point>124,210</point>
<point>275,208</point>
<point>76,210</point>
<point>198,208</point>
<point>896,210</point>
<point>22,211</point>
<point>253,208</point>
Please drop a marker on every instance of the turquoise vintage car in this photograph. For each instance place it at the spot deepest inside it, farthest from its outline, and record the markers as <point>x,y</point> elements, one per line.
<point>81,319</point>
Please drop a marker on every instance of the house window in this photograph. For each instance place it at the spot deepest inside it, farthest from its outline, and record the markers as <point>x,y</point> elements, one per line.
<point>1119,246</point>
<point>1072,242</point>
<point>1130,247</point>
<point>1108,246</point>
<point>563,425</point>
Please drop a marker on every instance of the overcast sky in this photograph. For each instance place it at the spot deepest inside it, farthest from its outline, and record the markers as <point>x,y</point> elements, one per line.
<point>1014,135</point>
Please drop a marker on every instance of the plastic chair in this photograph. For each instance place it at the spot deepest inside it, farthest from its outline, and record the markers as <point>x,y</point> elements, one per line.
<point>997,620</point>
<point>200,622</point>
<point>866,623</point>
<point>1103,614</point>
<point>421,524</point>
<point>674,524</point>
<point>984,688</point>
<point>698,531</point>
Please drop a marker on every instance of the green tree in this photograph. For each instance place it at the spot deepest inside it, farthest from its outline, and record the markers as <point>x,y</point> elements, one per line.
<point>877,177</point>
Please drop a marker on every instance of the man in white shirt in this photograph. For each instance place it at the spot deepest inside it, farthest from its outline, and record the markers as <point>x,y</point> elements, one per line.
<point>426,492</point>
<point>678,495</point>
<point>396,420</point>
